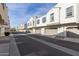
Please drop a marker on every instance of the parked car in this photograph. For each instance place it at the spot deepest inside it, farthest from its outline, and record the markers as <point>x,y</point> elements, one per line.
<point>7,33</point>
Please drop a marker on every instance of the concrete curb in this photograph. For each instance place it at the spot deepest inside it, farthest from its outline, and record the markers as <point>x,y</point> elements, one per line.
<point>13,48</point>
<point>61,48</point>
<point>76,40</point>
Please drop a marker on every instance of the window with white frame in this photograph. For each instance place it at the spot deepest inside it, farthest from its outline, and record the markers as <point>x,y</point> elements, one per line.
<point>43,19</point>
<point>38,21</point>
<point>33,22</point>
<point>51,17</point>
<point>69,12</point>
<point>27,24</point>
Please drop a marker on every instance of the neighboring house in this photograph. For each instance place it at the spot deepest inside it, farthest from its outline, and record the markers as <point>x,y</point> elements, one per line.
<point>31,24</point>
<point>4,19</point>
<point>59,20</point>
<point>21,28</point>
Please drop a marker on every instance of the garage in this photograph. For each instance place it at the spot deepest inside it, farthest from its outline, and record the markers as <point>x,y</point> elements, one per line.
<point>51,31</point>
<point>38,31</point>
<point>73,32</point>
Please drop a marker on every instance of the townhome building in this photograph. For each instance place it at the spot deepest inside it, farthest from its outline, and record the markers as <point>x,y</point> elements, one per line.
<point>31,24</point>
<point>4,19</point>
<point>61,20</point>
<point>21,28</point>
<point>69,19</point>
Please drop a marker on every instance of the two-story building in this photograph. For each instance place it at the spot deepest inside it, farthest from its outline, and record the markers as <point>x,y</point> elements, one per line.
<point>21,28</point>
<point>62,19</point>
<point>4,19</point>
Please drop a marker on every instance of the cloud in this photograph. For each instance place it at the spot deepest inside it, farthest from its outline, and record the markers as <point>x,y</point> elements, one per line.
<point>21,12</point>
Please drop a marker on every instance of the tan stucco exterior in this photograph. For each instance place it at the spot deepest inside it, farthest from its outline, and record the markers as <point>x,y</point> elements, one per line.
<point>4,19</point>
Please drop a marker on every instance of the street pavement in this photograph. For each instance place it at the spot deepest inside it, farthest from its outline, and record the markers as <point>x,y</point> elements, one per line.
<point>67,44</point>
<point>4,46</point>
<point>32,44</point>
<point>30,47</point>
<point>23,44</point>
<point>13,51</point>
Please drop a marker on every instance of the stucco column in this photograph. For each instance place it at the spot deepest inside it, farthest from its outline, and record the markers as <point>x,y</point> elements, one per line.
<point>65,31</point>
<point>43,31</point>
<point>2,31</point>
<point>62,31</point>
<point>34,30</point>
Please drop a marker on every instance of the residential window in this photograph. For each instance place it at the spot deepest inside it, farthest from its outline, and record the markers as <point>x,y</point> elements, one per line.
<point>44,19</point>
<point>33,22</point>
<point>38,21</point>
<point>3,5</point>
<point>0,17</point>
<point>51,17</point>
<point>28,24</point>
<point>69,12</point>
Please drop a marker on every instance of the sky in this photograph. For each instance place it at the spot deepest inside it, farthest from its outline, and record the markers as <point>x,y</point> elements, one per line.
<point>20,13</point>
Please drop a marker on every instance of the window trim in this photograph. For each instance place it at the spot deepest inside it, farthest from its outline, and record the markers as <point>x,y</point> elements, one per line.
<point>3,6</point>
<point>70,11</point>
<point>51,20</point>
<point>38,21</point>
<point>44,20</point>
<point>33,22</point>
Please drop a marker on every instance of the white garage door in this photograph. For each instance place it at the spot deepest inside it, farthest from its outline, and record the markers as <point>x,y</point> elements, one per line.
<point>51,31</point>
<point>73,32</point>
<point>38,31</point>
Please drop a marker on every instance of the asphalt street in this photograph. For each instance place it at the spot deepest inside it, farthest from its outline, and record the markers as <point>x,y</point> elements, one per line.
<point>67,44</point>
<point>38,45</point>
<point>31,47</point>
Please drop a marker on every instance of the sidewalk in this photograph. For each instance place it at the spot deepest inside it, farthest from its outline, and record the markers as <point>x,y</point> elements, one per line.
<point>5,39</point>
<point>4,46</point>
<point>13,51</point>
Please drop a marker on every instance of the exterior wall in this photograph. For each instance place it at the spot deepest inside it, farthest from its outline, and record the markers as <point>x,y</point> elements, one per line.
<point>74,30</point>
<point>2,12</point>
<point>34,30</point>
<point>3,20</point>
<point>77,11</point>
<point>21,30</point>
<point>56,16</point>
<point>2,29</point>
<point>62,31</point>
<point>50,31</point>
<point>41,23</point>
<point>43,31</point>
<point>38,31</point>
<point>60,20</point>
<point>30,22</point>
<point>63,18</point>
